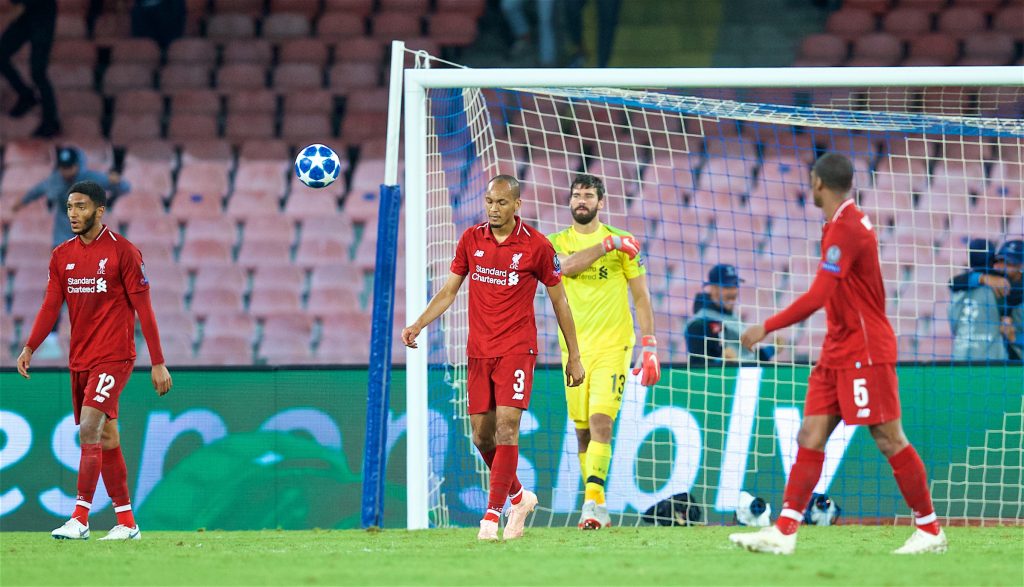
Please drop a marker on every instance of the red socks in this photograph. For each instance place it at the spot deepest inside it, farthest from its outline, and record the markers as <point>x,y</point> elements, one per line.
<point>503,473</point>
<point>802,478</point>
<point>516,489</point>
<point>115,478</point>
<point>912,480</point>
<point>88,475</point>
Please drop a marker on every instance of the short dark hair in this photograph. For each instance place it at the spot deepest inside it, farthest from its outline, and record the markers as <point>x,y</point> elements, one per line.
<point>512,182</point>
<point>95,191</point>
<point>587,181</point>
<point>835,172</point>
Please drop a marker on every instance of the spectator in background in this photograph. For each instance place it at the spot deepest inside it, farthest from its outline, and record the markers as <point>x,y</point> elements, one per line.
<point>160,20</point>
<point>515,15</point>
<point>713,333</point>
<point>607,22</point>
<point>35,25</point>
<point>980,314</point>
<point>70,170</point>
<point>1012,253</point>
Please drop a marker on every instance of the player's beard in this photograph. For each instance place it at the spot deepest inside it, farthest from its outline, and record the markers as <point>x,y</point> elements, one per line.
<point>583,215</point>
<point>85,224</point>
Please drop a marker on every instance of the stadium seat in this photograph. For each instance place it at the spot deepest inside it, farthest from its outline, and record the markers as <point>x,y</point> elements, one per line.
<point>248,7</point>
<point>111,27</point>
<point>155,228</point>
<point>307,8</point>
<point>176,77</point>
<point>245,102</point>
<point>190,127</point>
<point>992,48</point>
<point>285,351</point>
<point>1009,19</point>
<point>936,46</point>
<point>248,51</point>
<point>358,49</point>
<point>208,153</point>
<point>193,52</point>
<point>882,48</point>
<point>322,250</point>
<point>851,23</point>
<point>239,324</point>
<point>309,102</point>
<point>277,152</point>
<point>70,26</point>
<point>136,51</point>
<point>306,128</point>
<point>196,253</point>
<point>196,102</point>
<point>137,204</point>
<point>271,228</point>
<point>345,76</point>
<point>241,76</point>
<point>74,52</point>
<point>248,126</point>
<point>282,25</point>
<point>139,101</point>
<point>907,22</point>
<point>265,302</point>
<point>310,51</point>
<point>255,252</point>
<point>337,26</point>
<point>451,29</point>
<point>66,77</point>
<point>207,178</point>
<point>224,350</point>
<point>284,325</point>
<point>128,128</point>
<point>86,103</point>
<point>396,25</point>
<point>358,7</point>
<point>245,206</point>
<point>961,21</point>
<point>217,229</point>
<point>267,177</point>
<point>297,76</point>
<point>230,27</point>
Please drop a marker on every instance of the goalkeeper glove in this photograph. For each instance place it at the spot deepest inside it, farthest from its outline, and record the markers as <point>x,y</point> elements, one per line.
<point>627,244</point>
<point>647,362</point>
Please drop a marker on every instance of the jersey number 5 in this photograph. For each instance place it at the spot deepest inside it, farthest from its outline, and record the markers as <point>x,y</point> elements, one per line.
<point>103,387</point>
<point>519,385</point>
<point>860,392</point>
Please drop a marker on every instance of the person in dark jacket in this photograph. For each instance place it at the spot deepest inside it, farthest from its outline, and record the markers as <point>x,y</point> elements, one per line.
<point>34,25</point>
<point>713,333</point>
<point>986,303</point>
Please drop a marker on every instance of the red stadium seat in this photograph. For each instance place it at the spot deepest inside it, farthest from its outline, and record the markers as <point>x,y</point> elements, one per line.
<point>474,8</point>
<point>74,52</point>
<point>851,23</point>
<point>241,76</point>
<point>280,26</point>
<point>336,26</point>
<point>135,51</point>
<point>396,24</point>
<point>322,251</point>
<point>311,51</point>
<point>298,76</point>
<point>157,228</point>
<point>188,204</point>
<point>262,177</point>
<point>198,102</point>
<point>225,275</point>
<point>86,103</point>
<point>907,22</point>
<point>961,21</point>
<point>331,301</point>
<point>451,29</point>
<point>197,253</point>
<point>176,77</point>
<point>271,229</point>
<point>244,206</point>
<point>31,229</point>
<point>137,204</point>
<point>282,325</point>
<point>359,7</point>
<point>252,102</point>
<point>306,126</point>
<point>1009,20</point>
<point>936,46</point>
<point>139,102</point>
<point>245,126</point>
<point>230,27</point>
<point>215,229</point>
<point>111,27</point>
<point>286,351</point>
<point>265,151</point>
<point>309,102</point>
<point>248,51</point>
<point>70,76</point>
<point>208,152</point>
<point>309,203</point>
<point>249,7</point>
<point>224,350</point>
<point>882,48</point>
<point>186,127</point>
<point>239,324</point>
<point>308,8</point>
<point>255,253</point>
<point>359,49</point>
<point>70,26</point>
<point>209,179</point>
<point>134,127</point>
<point>265,302</point>
<point>991,48</point>
<point>350,75</point>
<point>193,52</point>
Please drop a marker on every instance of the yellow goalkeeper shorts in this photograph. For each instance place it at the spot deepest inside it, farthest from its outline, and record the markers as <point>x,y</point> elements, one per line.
<point>601,392</point>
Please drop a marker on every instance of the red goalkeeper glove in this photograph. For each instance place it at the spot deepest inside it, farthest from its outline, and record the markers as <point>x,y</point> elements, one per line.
<point>627,244</point>
<point>647,362</point>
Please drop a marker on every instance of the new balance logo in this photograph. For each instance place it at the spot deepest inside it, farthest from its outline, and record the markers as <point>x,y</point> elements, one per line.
<point>517,396</point>
<point>478,253</point>
<point>864,412</point>
<point>69,267</point>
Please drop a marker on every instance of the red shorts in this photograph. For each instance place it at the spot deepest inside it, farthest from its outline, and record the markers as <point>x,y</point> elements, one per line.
<point>501,381</point>
<point>869,395</point>
<point>100,387</point>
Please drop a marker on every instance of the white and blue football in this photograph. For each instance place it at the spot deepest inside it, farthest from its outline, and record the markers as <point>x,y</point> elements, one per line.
<point>317,166</point>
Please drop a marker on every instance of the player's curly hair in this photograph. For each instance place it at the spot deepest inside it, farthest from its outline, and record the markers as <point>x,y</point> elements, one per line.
<point>587,181</point>
<point>95,191</point>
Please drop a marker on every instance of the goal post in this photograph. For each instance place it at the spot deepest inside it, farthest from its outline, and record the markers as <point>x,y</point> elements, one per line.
<point>708,177</point>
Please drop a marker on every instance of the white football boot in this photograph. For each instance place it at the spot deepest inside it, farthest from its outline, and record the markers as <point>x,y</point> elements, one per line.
<point>71,530</point>
<point>921,542</point>
<point>769,540</point>
<point>488,530</point>
<point>588,517</point>
<point>602,515</point>
<point>121,532</point>
<point>517,515</point>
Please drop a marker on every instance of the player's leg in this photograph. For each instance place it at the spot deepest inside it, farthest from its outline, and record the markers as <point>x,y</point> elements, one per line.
<point>513,382</point>
<point>821,416</point>
<point>909,471</point>
<point>115,479</point>
<point>577,400</point>
<point>77,527</point>
<point>608,374</point>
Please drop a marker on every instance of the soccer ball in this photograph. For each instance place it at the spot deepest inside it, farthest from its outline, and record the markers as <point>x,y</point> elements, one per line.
<point>317,166</point>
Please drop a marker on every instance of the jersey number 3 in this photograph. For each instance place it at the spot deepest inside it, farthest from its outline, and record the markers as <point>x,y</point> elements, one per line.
<point>519,385</point>
<point>103,388</point>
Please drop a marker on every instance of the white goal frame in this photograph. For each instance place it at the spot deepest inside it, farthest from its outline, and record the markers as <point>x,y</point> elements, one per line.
<point>418,81</point>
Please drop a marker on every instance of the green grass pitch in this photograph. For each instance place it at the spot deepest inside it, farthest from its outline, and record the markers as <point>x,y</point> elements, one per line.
<point>844,555</point>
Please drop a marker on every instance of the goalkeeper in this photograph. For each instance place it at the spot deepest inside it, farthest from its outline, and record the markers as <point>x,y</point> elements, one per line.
<point>599,264</point>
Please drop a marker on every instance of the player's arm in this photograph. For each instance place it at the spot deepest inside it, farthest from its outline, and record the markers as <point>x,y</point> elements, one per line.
<point>574,373</point>
<point>137,286</point>
<point>579,261</point>
<point>822,288</point>
<point>441,301</point>
<point>647,361</point>
<point>34,193</point>
<point>45,319</point>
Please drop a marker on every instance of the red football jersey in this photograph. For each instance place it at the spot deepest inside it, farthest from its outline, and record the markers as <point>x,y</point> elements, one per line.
<point>859,332</point>
<point>502,284</point>
<point>95,280</point>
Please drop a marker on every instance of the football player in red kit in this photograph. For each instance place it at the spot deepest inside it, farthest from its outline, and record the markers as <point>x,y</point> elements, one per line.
<point>504,259</point>
<point>855,378</point>
<point>101,277</point>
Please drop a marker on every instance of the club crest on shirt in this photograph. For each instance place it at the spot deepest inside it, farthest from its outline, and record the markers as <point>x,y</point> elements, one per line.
<point>515,261</point>
<point>102,270</point>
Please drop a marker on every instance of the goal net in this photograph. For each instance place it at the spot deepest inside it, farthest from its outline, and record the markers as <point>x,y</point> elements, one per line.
<point>705,176</point>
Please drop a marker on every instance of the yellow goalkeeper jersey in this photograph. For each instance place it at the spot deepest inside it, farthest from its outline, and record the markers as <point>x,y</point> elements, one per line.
<point>599,295</point>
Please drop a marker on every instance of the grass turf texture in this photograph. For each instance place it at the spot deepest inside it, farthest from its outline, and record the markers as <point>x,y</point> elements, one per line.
<point>845,555</point>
